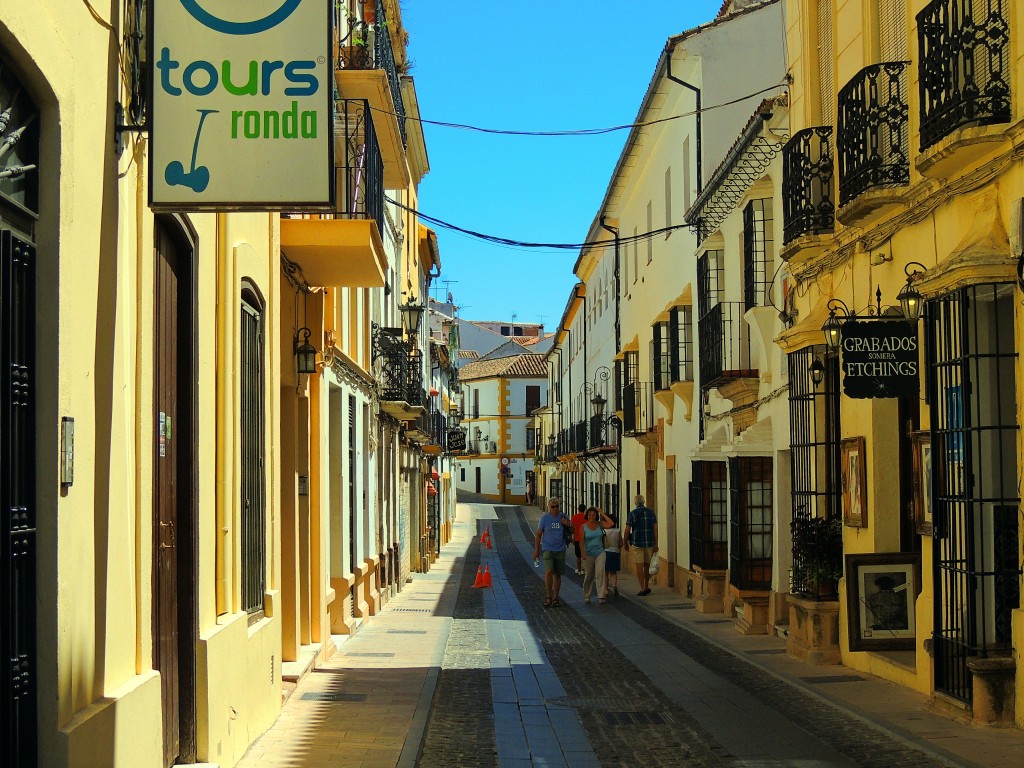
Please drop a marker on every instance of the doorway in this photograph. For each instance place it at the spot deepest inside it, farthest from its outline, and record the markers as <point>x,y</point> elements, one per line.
<point>175,615</point>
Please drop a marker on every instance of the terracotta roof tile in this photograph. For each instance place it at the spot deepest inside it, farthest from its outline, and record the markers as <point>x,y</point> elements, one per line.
<point>519,366</point>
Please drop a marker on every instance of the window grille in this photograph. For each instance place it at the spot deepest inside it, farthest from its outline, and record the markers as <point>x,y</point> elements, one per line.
<point>750,491</point>
<point>826,76</point>
<point>253,415</point>
<point>971,358</point>
<point>709,281</point>
<point>661,357</point>
<point>709,516</point>
<point>681,343</point>
<point>815,446</point>
<point>758,252</point>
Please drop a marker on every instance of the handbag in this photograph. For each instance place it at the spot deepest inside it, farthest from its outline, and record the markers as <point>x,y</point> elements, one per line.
<point>655,565</point>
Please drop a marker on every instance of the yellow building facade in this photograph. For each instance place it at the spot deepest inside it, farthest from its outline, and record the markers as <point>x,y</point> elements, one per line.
<point>189,511</point>
<point>903,182</point>
<point>140,600</point>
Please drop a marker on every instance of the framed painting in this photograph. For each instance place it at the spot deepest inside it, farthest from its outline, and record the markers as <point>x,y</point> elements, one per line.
<point>882,592</point>
<point>854,478</point>
<point>922,452</point>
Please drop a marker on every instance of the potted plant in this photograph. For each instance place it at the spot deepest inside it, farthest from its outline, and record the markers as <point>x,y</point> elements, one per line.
<point>817,556</point>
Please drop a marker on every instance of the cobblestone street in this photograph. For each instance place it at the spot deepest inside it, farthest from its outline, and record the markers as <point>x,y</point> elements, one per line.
<point>491,677</point>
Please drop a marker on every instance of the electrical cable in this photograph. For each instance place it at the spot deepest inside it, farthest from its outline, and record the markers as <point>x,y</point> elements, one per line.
<point>580,131</point>
<point>640,237</point>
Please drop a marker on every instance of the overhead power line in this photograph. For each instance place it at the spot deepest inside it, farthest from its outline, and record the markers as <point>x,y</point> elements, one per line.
<point>581,131</point>
<point>625,240</point>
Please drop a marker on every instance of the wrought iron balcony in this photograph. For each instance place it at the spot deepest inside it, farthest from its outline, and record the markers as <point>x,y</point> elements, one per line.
<point>873,143</point>
<point>964,67</point>
<point>724,345</point>
<point>637,408</point>
<point>602,433</point>
<point>808,195</point>
<point>358,161</point>
<point>364,43</point>
<point>401,374</point>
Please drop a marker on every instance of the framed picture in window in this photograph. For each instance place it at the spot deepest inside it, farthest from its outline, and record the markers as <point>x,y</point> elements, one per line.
<point>922,452</point>
<point>882,592</point>
<point>855,480</point>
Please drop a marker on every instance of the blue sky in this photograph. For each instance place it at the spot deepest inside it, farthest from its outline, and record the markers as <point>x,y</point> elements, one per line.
<point>556,65</point>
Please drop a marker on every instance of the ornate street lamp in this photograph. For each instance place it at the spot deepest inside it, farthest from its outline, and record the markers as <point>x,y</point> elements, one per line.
<point>910,297</point>
<point>817,371</point>
<point>411,311</point>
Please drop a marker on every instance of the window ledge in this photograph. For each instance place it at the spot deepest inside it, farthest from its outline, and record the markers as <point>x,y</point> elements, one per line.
<point>961,149</point>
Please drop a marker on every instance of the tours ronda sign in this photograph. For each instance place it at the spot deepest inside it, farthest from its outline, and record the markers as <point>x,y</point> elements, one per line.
<point>880,358</point>
<point>242,105</point>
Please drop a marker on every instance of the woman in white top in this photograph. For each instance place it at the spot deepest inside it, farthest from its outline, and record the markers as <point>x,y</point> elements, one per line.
<point>612,553</point>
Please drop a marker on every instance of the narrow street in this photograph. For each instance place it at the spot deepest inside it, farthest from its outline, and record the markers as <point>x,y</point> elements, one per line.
<point>454,676</point>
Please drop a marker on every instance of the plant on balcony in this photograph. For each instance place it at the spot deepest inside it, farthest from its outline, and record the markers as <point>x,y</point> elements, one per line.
<point>817,556</point>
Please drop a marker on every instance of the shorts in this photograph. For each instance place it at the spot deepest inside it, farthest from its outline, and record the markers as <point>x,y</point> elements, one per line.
<point>554,562</point>
<point>612,561</point>
<point>643,554</point>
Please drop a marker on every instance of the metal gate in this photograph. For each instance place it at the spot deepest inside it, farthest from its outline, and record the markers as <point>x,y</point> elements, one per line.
<point>971,368</point>
<point>18,687</point>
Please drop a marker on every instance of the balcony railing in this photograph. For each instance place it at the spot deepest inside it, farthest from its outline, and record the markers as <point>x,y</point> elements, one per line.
<point>364,44</point>
<point>601,434</point>
<point>808,195</point>
<point>401,368</point>
<point>873,143</point>
<point>964,72</point>
<point>637,407</point>
<point>724,344</point>
<point>359,165</point>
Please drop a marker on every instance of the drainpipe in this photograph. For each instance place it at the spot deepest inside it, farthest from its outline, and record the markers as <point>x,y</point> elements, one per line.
<point>696,91</point>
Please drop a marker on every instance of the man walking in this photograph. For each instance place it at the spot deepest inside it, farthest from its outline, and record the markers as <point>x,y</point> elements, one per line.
<point>642,536</point>
<point>551,538</point>
<point>577,526</point>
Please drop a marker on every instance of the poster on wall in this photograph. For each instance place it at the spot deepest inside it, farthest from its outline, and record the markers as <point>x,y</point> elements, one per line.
<point>241,114</point>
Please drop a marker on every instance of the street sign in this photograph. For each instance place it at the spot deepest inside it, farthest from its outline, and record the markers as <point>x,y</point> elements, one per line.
<point>880,359</point>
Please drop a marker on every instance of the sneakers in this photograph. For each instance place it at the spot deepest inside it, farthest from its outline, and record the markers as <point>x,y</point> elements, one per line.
<point>643,592</point>
<point>586,600</point>
<point>579,571</point>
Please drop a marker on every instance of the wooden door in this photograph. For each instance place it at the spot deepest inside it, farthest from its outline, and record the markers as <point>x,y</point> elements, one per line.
<point>165,480</point>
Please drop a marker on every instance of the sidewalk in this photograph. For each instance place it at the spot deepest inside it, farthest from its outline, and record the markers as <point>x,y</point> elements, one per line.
<point>903,713</point>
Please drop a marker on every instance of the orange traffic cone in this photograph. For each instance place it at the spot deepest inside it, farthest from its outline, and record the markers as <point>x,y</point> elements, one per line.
<point>479,578</point>
<point>485,535</point>
<point>487,543</point>
<point>487,575</point>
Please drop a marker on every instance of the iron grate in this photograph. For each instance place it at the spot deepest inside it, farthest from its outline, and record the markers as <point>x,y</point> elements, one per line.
<point>633,718</point>
<point>372,655</point>
<point>407,632</point>
<point>834,679</point>
<point>676,607</point>
<point>332,696</point>
<point>413,610</point>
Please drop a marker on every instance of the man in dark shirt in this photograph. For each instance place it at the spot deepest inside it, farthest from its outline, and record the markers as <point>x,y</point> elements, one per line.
<point>642,536</point>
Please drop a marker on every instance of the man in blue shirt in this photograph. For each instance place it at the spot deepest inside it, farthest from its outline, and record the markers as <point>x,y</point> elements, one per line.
<point>551,538</point>
<point>642,536</point>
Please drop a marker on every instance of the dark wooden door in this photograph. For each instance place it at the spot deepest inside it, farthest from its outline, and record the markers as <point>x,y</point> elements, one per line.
<point>17,502</point>
<point>168,280</point>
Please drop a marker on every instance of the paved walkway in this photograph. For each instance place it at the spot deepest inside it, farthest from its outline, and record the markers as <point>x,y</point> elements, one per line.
<point>472,660</point>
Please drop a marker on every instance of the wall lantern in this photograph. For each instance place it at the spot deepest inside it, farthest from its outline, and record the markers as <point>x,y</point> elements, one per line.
<point>909,297</point>
<point>599,403</point>
<point>411,311</point>
<point>305,353</point>
<point>910,306</point>
<point>817,371</point>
